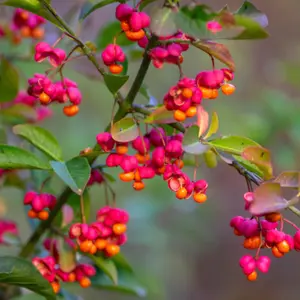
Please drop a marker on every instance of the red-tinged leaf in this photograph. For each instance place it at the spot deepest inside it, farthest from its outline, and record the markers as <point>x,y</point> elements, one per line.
<point>160,116</point>
<point>202,120</point>
<point>213,127</point>
<point>125,130</point>
<point>67,214</point>
<point>289,179</point>
<point>261,157</point>
<point>216,50</point>
<point>267,199</point>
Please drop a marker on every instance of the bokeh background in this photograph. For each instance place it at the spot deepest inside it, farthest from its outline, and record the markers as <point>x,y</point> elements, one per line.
<point>180,250</point>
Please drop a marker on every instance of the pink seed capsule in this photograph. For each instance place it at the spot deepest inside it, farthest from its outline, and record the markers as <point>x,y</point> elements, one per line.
<point>158,156</point>
<point>105,141</point>
<point>74,95</point>
<point>123,11</point>
<point>114,160</point>
<point>57,56</point>
<point>38,204</point>
<point>29,196</point>
<point>141,144</point>
<point>75,231</point>
<point>129,163</point>
<point>263,264</point>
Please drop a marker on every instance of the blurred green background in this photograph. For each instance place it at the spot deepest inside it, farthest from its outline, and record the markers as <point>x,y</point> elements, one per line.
<point>180,250</point>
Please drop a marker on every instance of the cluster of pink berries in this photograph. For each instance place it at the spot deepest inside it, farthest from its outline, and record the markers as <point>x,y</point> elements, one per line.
<point>169,53</point>
<point>166,160</point>
<point>56,56</point>
<point>183,99</point>
<point>42,88</point>
<point>133,22</point>
<point>249,265</point>
<point>25,25</point>
<point>106,235</point>
<point>7,227</point>
<point>113,56</point>
<point>187,94</point>
<point>209,82</point>
<point>40,204</point>
<point>264,233</point>
<point>49,268</point>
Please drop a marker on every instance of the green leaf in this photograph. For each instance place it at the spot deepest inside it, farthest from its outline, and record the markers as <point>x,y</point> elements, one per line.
<point>162,22</point>
<point>107,34</point>
<point>20,272</point>
<point>88,7</point>
<point>218,51</point>
<point>9,81</point>
<point>192,21</point>
<point>145,3</point>
<point>248,9</point>
<point>72,210</point>
<point>32,296</point>
<point>261,157</point>
<point>127,283</point>
<point>115,82</point>
<point>214,126</point>
<point>267,199</point>
<point>109,177</point>
<point>252,29</point>
<point>249,166</point>
<point>22,111</point>
<point>289,179</point>
<point>13,179</point>
<point>75,173</point>
<point>246,23</point>
<point>125,67</point>
<point>107,266</point>
<point>36,7</point>
<point>125,130</point>
<point>3,136</point>
<point>40,138</point>
<point>191,143</point>
<point>160,115</point>
<point>67,256</point>
<point>121,262</point>
<point>12,157</point>
<point>232,144</point>
<point>135,54</point>
<point>210,159</point>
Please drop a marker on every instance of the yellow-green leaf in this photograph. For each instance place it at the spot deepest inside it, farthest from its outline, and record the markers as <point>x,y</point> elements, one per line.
<point>160,116</point>
<point>261,157</point>
<point>214,126</point>
<point>232,144</point>
<point>125,130</point>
